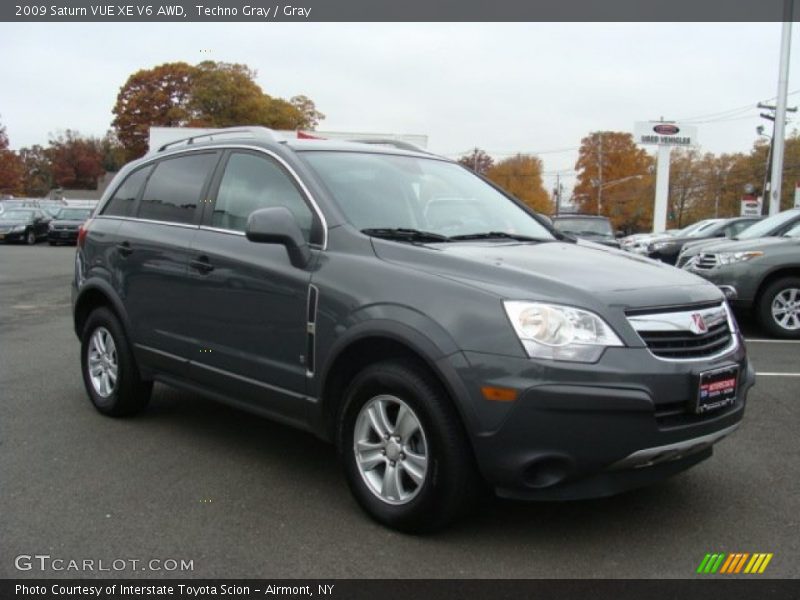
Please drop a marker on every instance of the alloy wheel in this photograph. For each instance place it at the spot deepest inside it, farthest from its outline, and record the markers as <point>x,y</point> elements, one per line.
<point>390,448</point>
<point>786,309</point>
<point>102,362</point>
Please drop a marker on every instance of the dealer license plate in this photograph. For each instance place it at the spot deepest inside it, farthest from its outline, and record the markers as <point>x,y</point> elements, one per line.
<point>717,389</point>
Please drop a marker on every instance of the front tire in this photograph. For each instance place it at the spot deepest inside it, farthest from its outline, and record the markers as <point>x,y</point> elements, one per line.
<point>110,373</point>
<point>30,237</point>
<point>404,450</point>
<point>779,308</point>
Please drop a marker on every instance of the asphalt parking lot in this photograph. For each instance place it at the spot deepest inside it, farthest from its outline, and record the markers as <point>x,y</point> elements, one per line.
<point>244,497</point>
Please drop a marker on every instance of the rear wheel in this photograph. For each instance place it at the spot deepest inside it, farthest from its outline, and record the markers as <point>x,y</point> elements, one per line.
<point>404,450</point>
<point>110,373</point>
<point>779,308</point>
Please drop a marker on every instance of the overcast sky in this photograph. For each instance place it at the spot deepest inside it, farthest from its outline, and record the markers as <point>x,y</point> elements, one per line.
<point>503,87</point>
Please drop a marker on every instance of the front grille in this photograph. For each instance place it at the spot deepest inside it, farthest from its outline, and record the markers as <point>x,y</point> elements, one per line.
<point>64,228</point>
<point>680,414</point>
<point>685,334</point>
<point>705,261</point>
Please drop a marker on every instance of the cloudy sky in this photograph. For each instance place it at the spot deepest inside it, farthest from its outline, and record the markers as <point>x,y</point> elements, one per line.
<point>503,87</point>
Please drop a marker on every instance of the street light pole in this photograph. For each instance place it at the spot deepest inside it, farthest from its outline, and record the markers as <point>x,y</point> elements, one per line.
<point>779,135</point>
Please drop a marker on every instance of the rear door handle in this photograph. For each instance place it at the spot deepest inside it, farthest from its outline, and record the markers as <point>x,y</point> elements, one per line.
<point>202,264</point>
<point>124,248</point>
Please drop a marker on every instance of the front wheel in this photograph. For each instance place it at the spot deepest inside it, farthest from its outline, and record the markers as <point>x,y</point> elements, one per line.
<point>779,308</point>
<point>404,450</point>
<point>110,373</point>
<point>30,237</point>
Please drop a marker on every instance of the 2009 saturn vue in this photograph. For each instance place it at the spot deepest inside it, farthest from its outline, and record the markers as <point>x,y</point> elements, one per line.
<point>439,332</point>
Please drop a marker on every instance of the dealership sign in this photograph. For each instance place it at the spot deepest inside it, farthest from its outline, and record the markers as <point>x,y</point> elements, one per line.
<point>664,133</point>
<point>750,207</point>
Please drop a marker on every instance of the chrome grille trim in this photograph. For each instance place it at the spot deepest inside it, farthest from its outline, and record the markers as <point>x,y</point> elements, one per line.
<point>668,335</point>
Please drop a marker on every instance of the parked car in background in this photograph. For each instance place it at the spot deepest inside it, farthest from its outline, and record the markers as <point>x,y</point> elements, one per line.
<point>761,275</point>
<point>667,250</point>
<point>638,243</point>
<point>51,207</point>
<point>336,287</point>
<point>28,225</point>
<point>774,225</point>
<point>592,228</point>
<point>64,227</point>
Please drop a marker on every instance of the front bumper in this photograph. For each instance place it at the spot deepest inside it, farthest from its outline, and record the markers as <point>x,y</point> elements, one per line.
<point>579,431</point>
<point>63,236</point>
<point>737,276</point>
<point>12,236</point>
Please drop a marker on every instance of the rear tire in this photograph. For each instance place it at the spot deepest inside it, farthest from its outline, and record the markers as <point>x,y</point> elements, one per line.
<point>779,308</point>
<point>404,450</point>
<point>110,374</point>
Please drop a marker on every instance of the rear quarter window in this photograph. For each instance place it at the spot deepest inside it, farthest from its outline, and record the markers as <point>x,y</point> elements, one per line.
<point>172,193</point>
<point>123,201</point>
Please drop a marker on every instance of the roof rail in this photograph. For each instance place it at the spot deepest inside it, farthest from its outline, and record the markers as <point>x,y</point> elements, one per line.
<point>256,132</point>
<point>399,144</point>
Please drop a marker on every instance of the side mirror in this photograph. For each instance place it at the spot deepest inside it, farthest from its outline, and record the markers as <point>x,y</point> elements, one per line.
<point>277,225</point>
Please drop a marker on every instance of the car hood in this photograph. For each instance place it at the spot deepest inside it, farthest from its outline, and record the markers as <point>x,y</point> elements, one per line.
<point>14,223</point>
<point>580,273</point>
<point>754,244</point>
<point>62,222</point>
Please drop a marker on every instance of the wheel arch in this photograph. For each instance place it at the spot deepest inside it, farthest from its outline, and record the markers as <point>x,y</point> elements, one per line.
<point>378,341</point>
<point>94,294</point>
<point>772,277</point>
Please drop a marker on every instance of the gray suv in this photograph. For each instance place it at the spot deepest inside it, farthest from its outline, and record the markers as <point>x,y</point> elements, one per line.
<point>441,334</point>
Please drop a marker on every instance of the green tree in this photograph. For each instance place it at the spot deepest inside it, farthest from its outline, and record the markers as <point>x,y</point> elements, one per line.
<point>521,176</point>
<point>308,110</point>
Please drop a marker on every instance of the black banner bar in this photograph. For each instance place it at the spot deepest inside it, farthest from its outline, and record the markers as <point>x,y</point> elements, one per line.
<point>718,588</point>
<point>267,11</point>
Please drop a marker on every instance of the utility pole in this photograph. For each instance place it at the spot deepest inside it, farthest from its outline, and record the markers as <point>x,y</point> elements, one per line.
<point>600,174</point>
<point>558,192</point>
<point>770,153</point>
<point>779,135</point>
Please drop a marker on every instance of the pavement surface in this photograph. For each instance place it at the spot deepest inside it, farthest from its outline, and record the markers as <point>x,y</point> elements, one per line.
<point>240,496</point>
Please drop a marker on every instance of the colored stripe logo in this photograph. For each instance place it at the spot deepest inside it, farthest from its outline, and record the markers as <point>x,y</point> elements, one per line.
<point>734,563</point>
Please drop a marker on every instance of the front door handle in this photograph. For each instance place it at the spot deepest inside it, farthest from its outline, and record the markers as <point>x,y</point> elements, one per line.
<point>124,248</point>
<point>202,264</point>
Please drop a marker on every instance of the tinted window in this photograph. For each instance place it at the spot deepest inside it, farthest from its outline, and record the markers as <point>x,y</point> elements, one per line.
<point>252,182</point>
<point>173,191</point>
<point>121,203</point>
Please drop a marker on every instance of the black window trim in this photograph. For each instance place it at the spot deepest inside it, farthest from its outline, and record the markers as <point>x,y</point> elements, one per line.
<point>102,209</point>
<point>201,201</point>
<point>319,217</point>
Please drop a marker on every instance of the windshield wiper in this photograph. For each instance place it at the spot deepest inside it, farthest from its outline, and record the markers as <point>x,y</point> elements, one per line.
<point>402,233</point>
<point>488,235</point>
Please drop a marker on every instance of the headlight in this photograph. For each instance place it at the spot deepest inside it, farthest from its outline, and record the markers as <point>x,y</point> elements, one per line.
<point>660,245</point>
<point>560,332</point>
<point>729,258</point>
<point>18,228</point>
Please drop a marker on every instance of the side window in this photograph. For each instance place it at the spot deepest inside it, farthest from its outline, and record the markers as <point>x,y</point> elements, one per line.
<point>173,191</point>
<point>121,203</point>
<point>252,182</point>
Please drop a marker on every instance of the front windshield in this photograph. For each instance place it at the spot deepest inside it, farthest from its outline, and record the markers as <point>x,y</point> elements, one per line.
<point>686,231</point>
<point>385,191</point>
<point>584,226</point>
<point>16,215</point>
<point>763,228</point>
<point>74,214</point>
<point>705,228</point>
